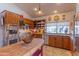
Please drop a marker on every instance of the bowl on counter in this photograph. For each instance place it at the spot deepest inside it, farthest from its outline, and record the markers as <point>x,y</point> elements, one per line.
<point>26,37</point>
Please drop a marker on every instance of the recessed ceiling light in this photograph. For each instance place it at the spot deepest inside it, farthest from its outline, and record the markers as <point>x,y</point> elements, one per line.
<point>35,9</point>
<point>55,11</point>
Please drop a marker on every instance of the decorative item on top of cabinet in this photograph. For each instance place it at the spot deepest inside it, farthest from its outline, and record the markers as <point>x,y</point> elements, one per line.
<point>49,19</point>
<point>74,16</point>
<point>56,18</point>
<point>63,17</point>
<point>21,21</point>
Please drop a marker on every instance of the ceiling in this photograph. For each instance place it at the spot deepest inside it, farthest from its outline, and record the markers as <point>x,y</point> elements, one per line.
<point>47,8</point>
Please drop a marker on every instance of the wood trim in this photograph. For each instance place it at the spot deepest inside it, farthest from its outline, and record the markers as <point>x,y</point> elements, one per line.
<point>10,11</point>
<point>41,50</point>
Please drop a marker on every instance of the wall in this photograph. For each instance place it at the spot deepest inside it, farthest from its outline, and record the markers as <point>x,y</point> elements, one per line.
<point>69,16</point>
<point>77,11</point>
<point>77,7</point>
<point>13,8</point>
<point>77,18</point>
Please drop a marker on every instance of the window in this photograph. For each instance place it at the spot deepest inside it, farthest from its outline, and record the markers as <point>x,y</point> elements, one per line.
<point>51,28</point>
<point>63,29</point>
<point>60,27</point>
<point>77,27</point>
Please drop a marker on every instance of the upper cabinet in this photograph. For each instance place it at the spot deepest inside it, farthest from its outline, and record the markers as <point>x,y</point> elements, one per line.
<point>29,22</point>
<point>11,18</point>
<point>39,24</point>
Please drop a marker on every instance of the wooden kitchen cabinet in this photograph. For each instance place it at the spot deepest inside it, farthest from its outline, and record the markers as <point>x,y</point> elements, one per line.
<point>29,22</point>
<point>60,41</point>
<point>52,40</point>
<point>55,41</point>
<point>67,44</point>
<point>37,36</point>
<point>77,42</point>
<point>11,18</point>
<point>39,23</point>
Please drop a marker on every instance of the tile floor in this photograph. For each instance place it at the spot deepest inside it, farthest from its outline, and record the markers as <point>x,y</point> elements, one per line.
<point>52,51</point>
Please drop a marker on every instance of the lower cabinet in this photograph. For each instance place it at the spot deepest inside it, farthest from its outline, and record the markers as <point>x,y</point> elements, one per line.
<point>66,42</point>
<point>37,35</point>
<point>60,41</point>
<point>52,41</point>
<point>77,42</point>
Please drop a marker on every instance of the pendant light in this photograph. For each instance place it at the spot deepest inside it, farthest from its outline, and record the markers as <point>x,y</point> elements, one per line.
<point>39,12</point>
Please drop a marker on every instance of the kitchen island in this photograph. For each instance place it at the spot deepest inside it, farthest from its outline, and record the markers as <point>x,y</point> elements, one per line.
<point>23,49</point>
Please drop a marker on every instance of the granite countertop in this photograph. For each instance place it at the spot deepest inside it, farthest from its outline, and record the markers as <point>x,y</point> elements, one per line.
<point>22,49</point>
<point>58,34</point>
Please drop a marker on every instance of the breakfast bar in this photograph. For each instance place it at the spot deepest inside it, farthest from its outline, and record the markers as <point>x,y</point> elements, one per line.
<point>33,48</point>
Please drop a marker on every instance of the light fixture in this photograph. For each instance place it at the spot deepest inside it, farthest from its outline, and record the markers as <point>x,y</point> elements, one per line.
<point>38,11</point>
<point>35,9</point>
<point>55,11</point>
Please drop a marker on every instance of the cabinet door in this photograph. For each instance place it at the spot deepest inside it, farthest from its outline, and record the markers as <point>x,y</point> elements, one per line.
<point>58,41</point>
<point>11,18</point>
<point>29,22</point>
<point>67,42</point>
<point>37,35</point>
<point>51,40</point>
